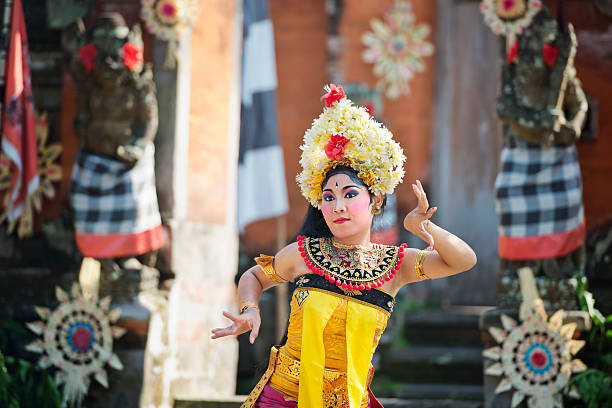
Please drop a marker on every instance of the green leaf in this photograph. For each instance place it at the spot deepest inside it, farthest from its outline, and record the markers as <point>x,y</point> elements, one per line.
<point>592,335</point>
<point>11,325</point>
<point>590,302</point>
<point>595,388</point>
<point>597,317</point>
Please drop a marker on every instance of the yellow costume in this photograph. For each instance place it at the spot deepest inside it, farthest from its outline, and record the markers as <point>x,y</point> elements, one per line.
<point>327,324</point>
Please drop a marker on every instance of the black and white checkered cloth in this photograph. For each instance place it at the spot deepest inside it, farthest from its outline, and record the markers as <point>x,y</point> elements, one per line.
<point>111,197</point>
<point>539,190</point>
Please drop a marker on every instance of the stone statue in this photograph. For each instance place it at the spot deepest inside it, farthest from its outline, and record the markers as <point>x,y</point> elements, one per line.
<point>117,106</point>
<point>113,185</point>
<point>532,83</point>
<point>539,189</point>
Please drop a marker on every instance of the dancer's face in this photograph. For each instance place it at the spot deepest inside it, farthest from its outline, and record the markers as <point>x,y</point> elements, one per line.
<point>346,206</point>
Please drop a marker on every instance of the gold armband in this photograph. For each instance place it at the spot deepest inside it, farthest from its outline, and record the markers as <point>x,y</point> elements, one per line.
<point>418,265</point>
<point>266,263</point>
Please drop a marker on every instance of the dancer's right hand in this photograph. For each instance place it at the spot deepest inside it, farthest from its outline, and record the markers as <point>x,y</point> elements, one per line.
<point>249,320</point>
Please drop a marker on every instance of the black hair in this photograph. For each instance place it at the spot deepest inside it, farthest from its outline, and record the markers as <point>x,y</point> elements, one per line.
<point>314,224</point>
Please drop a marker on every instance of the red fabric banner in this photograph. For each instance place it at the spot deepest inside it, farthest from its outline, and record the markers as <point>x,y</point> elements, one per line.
<point>18,135</point>
<point>542,246</point>
<point>117,245</point>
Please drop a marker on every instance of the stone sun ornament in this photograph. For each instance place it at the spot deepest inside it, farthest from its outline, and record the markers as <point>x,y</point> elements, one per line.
<point>77,338</point>
<point>396,46</point>
<point>535,356</point>
<point>167,19</point>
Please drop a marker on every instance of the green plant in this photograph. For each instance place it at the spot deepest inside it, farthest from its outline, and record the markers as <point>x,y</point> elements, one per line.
<point>595,388</point>
<point>6,400</point>
<point>601,332</point>
<point>595,384</point>
<point>22,383</point>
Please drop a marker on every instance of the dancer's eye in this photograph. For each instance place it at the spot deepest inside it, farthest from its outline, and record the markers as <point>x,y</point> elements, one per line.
<point>351,194</point>
<point>328,197</point>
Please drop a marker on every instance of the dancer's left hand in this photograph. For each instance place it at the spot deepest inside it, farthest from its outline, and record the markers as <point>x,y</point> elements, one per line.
<point>417,220</point>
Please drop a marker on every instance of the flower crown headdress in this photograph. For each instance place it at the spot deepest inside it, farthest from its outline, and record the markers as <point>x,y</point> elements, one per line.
<point>345,134</point>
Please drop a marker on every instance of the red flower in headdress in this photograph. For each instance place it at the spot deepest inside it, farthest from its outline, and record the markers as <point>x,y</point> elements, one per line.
<point>334,149</point>
<point>88,55</point>
<point>132,55</point>
<point>335,94</point>
<point>370,108</point>
<point>512,53</point>
<point>549,54</point>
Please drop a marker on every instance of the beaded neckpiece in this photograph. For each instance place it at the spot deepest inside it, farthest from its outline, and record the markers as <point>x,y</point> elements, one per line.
<point>351,267</point>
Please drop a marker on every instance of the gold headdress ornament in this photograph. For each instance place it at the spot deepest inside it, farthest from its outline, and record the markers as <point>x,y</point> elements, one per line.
<point>345,134</point>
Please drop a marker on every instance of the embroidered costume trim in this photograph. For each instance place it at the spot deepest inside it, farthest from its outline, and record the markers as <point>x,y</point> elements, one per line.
<point>375,298</point>
<point>333,381</point>
<point>351,268</point>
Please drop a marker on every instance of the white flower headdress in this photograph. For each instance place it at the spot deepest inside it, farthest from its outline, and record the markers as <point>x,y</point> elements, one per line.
<point>345,134</point>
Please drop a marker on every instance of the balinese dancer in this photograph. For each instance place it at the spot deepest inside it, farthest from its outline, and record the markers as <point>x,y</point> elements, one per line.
<point>345,284</point>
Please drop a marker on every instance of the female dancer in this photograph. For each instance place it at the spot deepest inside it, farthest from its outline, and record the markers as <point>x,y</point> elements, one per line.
<point>345,284</point>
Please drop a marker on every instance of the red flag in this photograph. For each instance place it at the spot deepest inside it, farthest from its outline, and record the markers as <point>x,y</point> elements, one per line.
<point>18,135</point>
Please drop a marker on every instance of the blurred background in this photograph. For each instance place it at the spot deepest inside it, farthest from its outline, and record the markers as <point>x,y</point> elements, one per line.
<point>150,148</point>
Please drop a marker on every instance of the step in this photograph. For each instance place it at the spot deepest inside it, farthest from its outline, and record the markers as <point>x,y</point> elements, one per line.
<point>236,401</point>
<point>472,394</point>
<point>456,326</point>
<point>432,364</point>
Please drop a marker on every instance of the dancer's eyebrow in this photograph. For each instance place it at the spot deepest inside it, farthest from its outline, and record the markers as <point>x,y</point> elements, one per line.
<point>343,188</point>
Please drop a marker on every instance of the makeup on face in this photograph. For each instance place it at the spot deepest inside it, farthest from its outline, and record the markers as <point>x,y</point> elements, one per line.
<point>345,206</point>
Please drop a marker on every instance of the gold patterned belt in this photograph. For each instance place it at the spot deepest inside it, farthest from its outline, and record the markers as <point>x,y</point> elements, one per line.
<point>283,374</point>
<point>286,379</point>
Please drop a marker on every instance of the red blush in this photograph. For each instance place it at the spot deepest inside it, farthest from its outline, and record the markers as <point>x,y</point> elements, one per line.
<point>360,204</point>
<point>327,209</point>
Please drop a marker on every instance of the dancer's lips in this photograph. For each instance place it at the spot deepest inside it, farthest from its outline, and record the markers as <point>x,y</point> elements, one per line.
<point>341,220</point>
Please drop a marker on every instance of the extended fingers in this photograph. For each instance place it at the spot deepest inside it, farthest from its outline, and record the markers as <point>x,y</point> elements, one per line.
<point>222,332</point>
<point>226,331</point>
<point>231,316</point>
<point>421,198</point>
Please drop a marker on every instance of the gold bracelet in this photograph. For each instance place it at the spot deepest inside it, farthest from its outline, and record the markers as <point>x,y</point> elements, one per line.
<point>244,306</point>
<point>418,265</point>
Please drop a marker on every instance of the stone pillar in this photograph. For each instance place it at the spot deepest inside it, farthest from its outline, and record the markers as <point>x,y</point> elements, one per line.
<point>467,140</point>
<point>197,150</point>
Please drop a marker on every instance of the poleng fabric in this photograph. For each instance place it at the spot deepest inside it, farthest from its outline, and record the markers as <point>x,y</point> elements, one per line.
<point>539,201</point>
<point>115,206</point>
<point>18,134</point>
<point>260,160</point>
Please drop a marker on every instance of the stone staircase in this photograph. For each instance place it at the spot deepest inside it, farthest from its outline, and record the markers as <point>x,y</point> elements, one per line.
<point>441,361</point>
